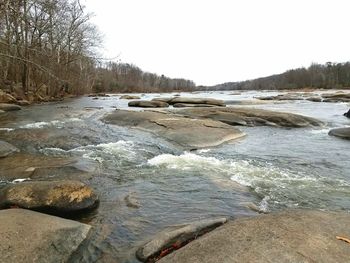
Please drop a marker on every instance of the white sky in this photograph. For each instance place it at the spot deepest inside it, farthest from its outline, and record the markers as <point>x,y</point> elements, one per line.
<point>217,41</point>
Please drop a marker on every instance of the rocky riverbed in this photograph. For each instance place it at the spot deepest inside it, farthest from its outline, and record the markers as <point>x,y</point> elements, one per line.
<point>143,183</point>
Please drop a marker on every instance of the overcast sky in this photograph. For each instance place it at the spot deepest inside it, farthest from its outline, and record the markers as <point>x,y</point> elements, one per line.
<point>217,41</point>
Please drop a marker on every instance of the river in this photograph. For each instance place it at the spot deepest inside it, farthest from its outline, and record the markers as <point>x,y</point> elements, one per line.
<point>270,169</point>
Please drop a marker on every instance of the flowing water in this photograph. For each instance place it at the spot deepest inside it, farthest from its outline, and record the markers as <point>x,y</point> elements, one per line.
<point>271,169</point>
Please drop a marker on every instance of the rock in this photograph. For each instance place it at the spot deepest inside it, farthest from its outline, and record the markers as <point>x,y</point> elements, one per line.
<point>251,117</point>
<point>54,197</point>
<point>23,103</point>
<point>1,111</point>
<point>7,149</point>
<point>132,201</point>
<point>27,236</point>
<point>336,97</point>
<point>197,101</point>
<point>148,104</point>
<point>129,97</point>
<point>191,101</point>
<point>314,99</point>
<point>288,96</point>
<point>188,105</point>
<point>175,238</point>
<point>347,114</point>
<point>341,132</point>
<point>7,98</point>
<point>246,102</point>
<point>187,132</point>
<point>98,95</point>
<point>290,236</point>
<point>9,107</point>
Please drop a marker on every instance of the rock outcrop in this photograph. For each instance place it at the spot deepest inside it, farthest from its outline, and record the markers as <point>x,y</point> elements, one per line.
<point>27,236</point>
<point>341,133</point>
<point>148,104</point>
<point>167,241</point>
<point>54,197</point>
<point>251,117</point>
<point>188,132</point>
<point>290,236</point>
<point>7,149</point>
<point>191,101</point>
<point>129,97</point>
<point>9,107</point>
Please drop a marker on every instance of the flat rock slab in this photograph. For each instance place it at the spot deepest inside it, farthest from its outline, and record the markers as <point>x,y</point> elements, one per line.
<point>175,238</point>
<point>187,132</point>
<point>188,100</point>
<point>54,197</point>
<point>341,133</point>
<point>27,236</point>
<point>148,104</point>
<point>7,149</point>
<point>251,117</point>
<point>9,107</point>
<point>290,236</point>
<point>129,97</point>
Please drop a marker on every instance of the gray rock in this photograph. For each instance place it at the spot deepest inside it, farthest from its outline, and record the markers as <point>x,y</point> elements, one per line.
<point>188,132</point>
<point>314,99</point>
<point>251,117</point>
<point>209,101</point>
<point>7,149</point>
<point>341,132</point>
<point>23,103</point>
<point>27,236</point>
<point>188,105</point>
<point>129,97</point>
<point>54,197</point>
<point>175,238</point>
<point>9,107</point>
<point>148,104</point>
<point>290,236</point>
<point>347,114</point>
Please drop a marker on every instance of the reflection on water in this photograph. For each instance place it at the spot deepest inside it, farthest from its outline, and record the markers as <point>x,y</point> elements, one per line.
<point>272,168</point>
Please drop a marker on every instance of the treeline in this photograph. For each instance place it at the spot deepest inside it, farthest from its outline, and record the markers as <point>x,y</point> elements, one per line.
<point>123,77</point>
<point>47,46</point>
<point>327,76</point>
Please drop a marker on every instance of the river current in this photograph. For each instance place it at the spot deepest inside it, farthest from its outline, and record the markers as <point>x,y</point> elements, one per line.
<point>271,169</point>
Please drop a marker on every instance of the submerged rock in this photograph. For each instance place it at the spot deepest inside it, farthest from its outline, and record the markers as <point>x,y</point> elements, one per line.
<point>7,149</point>
<point>129,97</point>
<point>27,236</point>
<point>251,117</point>
<point>341,132</point>
<point>187,132</point>
<point>148,104</point>
<point>167,241</point>
<point>9,107</point>
<point>290,236</point>
<point>54,197</point>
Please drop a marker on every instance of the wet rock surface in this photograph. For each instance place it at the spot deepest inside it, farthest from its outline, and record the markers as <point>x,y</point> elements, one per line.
<point>167,241</point>
<point>129,97</point>
<point>290,236</point>
<point>9,107</point>
<point>251,117</point>
<point>27,236</point>
<point>54,197</point>
<point>343,133</point>
<point>7,149</point>
<point>191,101</point>
<point>347,114</point>
<point>187,132</point>
<point>148,104</point>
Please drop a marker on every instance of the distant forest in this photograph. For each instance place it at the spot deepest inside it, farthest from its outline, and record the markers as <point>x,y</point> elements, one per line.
<point>51,47</point>
<point>327,76</point>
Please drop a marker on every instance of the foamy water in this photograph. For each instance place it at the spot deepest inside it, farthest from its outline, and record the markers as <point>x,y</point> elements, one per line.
<point>43,124</point>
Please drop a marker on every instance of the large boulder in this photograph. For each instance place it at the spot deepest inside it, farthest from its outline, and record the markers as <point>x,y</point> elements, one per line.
<point>54,197</point>
<point>290,236</point>
<point>27,236</point>
<point>129,97</point>
<point>251,117</point>
<point>341,133</point>
<point>336,97</point>
<point>9,107</point>
<point>148,104</point>
<point>188,105</point>
<point>188,132</point>
<point>169,240</point>
<point>6,149</point>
